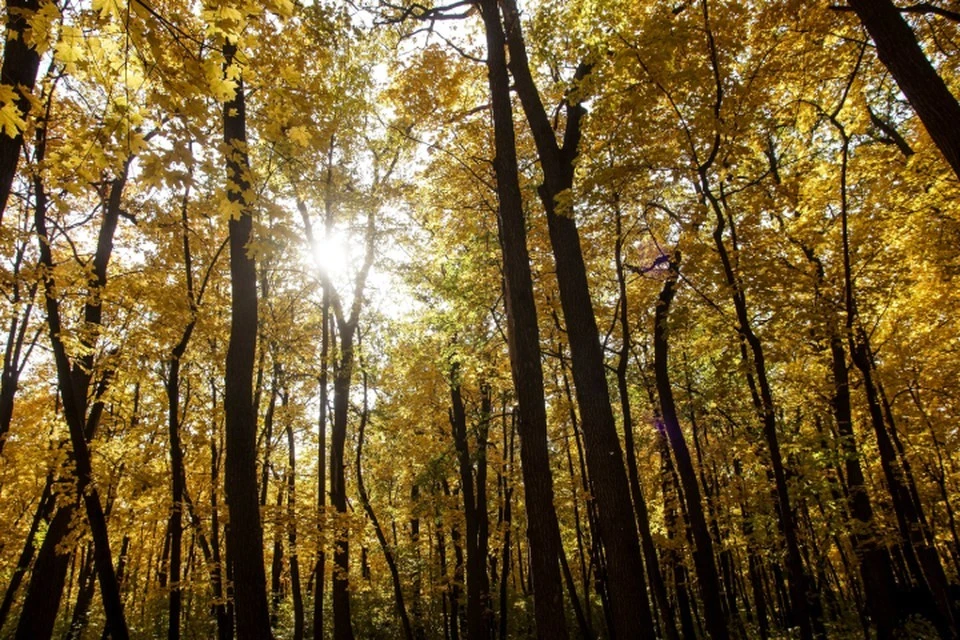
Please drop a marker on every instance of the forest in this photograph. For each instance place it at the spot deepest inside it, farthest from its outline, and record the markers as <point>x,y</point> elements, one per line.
<point>480,320</point>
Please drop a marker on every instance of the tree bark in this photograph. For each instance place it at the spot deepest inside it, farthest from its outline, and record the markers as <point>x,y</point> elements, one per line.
<point>474,503</point>
<point>246,532</point>
<point>703,559</point>
<point>74,385</point>
<point>524,345</point>
<point>378,530</point>
<point>651,562</point>
<point>21,62</point>
<point>899,51</point>
<point>604,454</point>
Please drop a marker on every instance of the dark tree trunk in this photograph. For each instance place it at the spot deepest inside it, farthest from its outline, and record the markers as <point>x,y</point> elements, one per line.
<point>74,385</point>
<point>81,609</point>
<point>177,474</point>
<point>21,60</point>
<point>651,562</point>
<point>14,358</point>
<point>898,50</point>
<point>604,454</point>
<point>524,344</point>
<point>342,626</point>
<point>223,604</point>
<point>45,590</point>
<point>246,533</point>
<point>378,530</point>
<point>752,354</point>
<point>320,568</point>
<point>293,549</point>
<point>419,631</point>
<point>703,544</point>
<point>474,502</point>
<point>507,522</point>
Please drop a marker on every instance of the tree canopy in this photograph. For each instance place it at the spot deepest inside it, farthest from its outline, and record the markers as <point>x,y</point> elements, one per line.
<point>381,319</point>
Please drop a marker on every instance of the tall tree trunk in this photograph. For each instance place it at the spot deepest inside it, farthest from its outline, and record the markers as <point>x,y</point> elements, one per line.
<point>293,548</point>
<point>752,354</point>
<point>223,603</point>
<point>703,559</point>
<point>419,631</point>
<point>899,51</point>
<point>342,625</point>
<point>604,454</point>
<point>651,562</point>
<point>523,333</point>
<point>74,386</point>
<point>245,545</point>
<point>507,523</point>
<point>320,567</point>
<point>177,474</point>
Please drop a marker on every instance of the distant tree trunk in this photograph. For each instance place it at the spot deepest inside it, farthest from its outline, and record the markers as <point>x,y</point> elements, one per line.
<point>703,559</point>
<point>507,523</point>
<point>753,357</point>
<point>223,604</point>
<point>874,559</point>
<point>674,551</point>
<point>44,510</point>
<point>293,548</point>
<point>14,358</point>
<point>899,51</point>
<point>246,533</point>
<point>652,563</point>
<point>604,454</point>
<point>320,567</point>
<point>81,609</point>
<point>21,60</point>
<point>524,344</point>
<point>378,530</point>
<point>419,632</point>
<point>474,502</point>
<point>276,562</point>
<point>177,475</point>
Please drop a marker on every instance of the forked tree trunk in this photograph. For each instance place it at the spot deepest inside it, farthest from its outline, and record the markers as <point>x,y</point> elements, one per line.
<point>604,453</point>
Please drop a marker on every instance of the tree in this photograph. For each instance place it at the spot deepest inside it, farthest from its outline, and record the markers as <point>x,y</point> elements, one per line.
<point>245,538</point>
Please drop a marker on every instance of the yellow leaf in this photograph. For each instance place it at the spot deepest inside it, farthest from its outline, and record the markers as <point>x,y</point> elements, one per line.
<point>11,118</point>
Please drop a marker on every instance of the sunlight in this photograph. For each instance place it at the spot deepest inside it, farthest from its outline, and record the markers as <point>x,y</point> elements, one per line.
<point>333,255</point>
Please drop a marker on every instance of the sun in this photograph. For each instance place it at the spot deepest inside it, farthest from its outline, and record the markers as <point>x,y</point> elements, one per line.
<point>332,254</point>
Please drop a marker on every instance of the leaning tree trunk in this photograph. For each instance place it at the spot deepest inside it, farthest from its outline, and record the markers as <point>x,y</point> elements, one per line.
<point>703,544</point>
<point>899,51</point>
<point>82,418</point>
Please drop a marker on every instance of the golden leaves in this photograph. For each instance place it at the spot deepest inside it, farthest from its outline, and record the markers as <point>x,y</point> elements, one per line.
<point>11,118</point>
